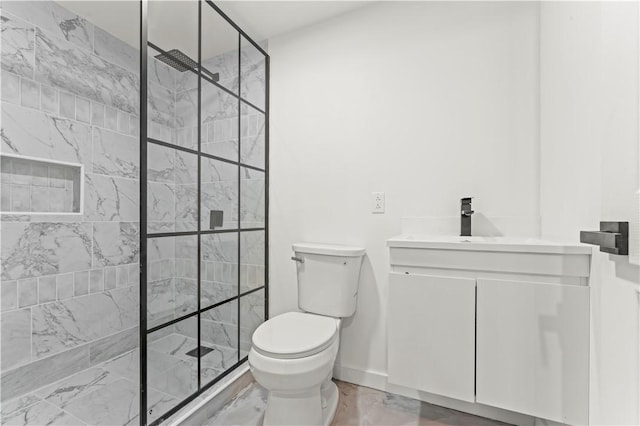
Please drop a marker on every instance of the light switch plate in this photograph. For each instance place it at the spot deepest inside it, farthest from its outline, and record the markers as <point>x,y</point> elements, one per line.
<point>377,202</point>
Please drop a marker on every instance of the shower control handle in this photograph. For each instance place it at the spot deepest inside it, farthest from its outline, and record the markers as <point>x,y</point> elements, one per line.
<point>297,259</point>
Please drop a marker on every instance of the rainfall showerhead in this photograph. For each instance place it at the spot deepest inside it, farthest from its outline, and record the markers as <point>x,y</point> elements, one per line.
<point>178,60</point>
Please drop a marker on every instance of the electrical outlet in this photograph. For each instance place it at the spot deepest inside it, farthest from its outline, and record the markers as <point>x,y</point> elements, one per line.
<point>377,202</point>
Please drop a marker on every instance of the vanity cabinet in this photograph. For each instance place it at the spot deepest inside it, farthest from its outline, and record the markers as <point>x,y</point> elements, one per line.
<point>533,348</point>
<point>503,324</point>
<point>432,334</point>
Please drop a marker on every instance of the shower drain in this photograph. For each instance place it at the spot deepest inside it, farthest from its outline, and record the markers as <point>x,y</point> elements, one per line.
<point>203,351</point>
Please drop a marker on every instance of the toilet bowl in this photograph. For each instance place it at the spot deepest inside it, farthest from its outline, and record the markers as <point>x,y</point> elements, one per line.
<point>292,354</point>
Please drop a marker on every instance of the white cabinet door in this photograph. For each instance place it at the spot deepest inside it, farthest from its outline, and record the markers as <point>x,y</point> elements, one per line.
<point>432,334</point>
<point>533,349</point>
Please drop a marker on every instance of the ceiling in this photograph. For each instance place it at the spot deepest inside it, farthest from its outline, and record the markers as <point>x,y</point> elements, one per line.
<point>173,24</point>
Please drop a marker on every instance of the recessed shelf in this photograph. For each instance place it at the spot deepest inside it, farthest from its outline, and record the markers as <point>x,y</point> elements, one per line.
<point>40,186</point>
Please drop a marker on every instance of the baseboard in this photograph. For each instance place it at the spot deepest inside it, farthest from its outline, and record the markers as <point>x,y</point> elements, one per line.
<point>379,380</point>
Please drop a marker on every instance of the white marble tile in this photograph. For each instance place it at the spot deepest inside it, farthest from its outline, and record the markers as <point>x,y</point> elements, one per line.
<point>160,301</point>
<point>114,345</point>
<point>116,51</point>
<point>252,202</point>
<point>115,243</point>
<point>223,196</point>
<point>253,75</point>
<point>67,105</point>
<point>30,91</point>
<point>109,198</point>
<point>17,45</point>
<point>9,295</point>
<point>47,289</point>
<point>219,333</point>
<point>160,163</point>
<point>83,110</point>
<point>214,292</point>
<point>186,300</point>
<point>97,114</point>
<point>32,376</point>
<point>41,413</point>
<point>114,404</point>
<point>62,325</point>
<point>35,134</point>
<point>186,207</point>
<point>134,126</point>
<point>251,316</point>
<point>115,154</point>
<point>178,378</point>
<point>125,365</point>
<point>13,406</point>
<point>186,168</point>
<point>164,248</point>
<point>186,108</point>
<point>64,284</point>
<point>27,292</point>
<point>61,64</point>
<point>123,122</point>
<point>109,278</point>
<point>16,337</point>
<point>134,274</point>
<point>161,213</point>
<point>122,276</point>
<point>252,137</point>
<point>162,74</point>
<point>96,280</point>
<point>81,283</point>
<point>54,18</point>
<point>226,65</point>
<point>10,87</point>
<point>247,408</point>
<point>186,81</point>
<point>111,118</point>
<point>252,248</point>
<point>76,386</point>
<point>161,105</point>
<point>49,99</point>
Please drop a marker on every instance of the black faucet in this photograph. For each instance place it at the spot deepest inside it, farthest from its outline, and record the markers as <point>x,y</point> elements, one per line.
<point>465,217</point>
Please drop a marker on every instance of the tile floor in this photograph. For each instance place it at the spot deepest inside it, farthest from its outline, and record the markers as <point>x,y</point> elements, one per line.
<point>108,393</point>
<point>358,406</point>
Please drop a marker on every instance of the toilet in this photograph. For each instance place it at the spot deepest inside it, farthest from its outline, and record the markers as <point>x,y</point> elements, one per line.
<point>292,354</point>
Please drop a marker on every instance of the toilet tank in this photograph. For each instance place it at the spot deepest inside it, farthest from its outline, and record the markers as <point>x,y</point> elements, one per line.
<point>328,276</point>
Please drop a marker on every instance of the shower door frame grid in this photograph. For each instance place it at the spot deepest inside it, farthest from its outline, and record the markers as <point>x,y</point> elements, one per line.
<point>144,235</point>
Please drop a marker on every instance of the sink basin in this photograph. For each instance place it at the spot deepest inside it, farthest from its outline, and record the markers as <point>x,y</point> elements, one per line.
<point>482,243</point>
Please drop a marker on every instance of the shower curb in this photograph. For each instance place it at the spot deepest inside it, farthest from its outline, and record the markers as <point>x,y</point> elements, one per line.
<point>210,402</point>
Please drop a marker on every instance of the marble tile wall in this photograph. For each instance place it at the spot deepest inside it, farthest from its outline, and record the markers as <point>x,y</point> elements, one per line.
<point>36,186</point>
<point>69,283</point>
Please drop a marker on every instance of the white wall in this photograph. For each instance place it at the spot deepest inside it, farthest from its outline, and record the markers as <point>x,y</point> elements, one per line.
<point>531,109</point>
<point>425,101</point>
<point>589,172</point>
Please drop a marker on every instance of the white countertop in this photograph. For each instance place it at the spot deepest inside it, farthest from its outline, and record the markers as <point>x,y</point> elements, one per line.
<point>501,244</point>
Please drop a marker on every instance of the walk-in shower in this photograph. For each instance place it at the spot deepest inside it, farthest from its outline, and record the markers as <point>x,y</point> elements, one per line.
<point>134,191</point>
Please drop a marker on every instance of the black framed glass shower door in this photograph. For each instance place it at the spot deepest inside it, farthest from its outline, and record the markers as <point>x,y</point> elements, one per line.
<point>204,195</point>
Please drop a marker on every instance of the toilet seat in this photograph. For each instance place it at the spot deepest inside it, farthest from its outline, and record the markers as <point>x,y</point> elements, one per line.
<point>295,335</point>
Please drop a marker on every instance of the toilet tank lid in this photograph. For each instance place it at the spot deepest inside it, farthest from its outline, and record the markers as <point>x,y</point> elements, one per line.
<point>328,249</point>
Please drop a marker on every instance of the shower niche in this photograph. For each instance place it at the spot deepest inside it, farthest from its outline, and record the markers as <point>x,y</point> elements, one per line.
<point>38,186</point>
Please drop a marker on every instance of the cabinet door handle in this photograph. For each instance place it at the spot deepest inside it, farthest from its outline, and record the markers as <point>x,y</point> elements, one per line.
<point>297,259</point>
<point>613,237</point>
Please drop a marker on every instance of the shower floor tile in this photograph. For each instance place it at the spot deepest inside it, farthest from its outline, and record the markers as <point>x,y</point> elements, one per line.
<point>358,405</point>
<point>118,403</point>
<point>31,410</point>
<point>108,393</point>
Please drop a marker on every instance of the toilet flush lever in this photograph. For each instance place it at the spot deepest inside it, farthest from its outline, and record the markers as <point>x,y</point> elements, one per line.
<point>297,259</point>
